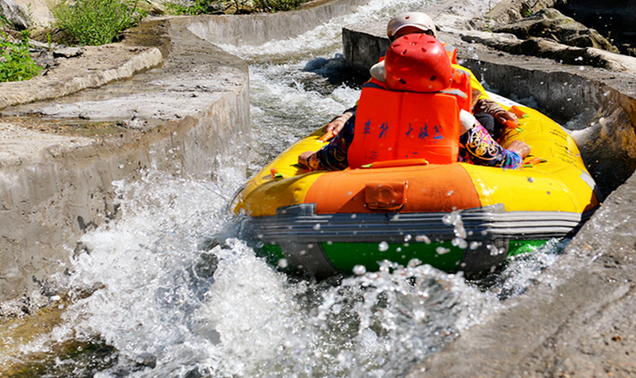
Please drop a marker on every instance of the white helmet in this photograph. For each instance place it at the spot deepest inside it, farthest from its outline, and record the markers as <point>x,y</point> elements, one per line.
<point>418,20</point>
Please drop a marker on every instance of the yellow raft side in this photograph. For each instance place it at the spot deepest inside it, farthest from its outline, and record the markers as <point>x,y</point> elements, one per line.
<point>557,177</point>
<point>268,190</point>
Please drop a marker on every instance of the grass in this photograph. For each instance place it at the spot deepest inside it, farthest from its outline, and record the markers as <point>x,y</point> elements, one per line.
<point>16,63</point>
<point>96,22</point>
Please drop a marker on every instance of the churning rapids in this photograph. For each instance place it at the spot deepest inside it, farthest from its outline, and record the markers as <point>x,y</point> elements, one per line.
<point>152,296</point>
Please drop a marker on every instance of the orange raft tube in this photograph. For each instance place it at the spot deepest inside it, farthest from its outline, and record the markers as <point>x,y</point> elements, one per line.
<point>453,216</point>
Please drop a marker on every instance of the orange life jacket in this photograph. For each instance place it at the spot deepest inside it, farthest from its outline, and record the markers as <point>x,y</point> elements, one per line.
<point>461,81</point>
<point>451,52</point>
<point>393,125</point>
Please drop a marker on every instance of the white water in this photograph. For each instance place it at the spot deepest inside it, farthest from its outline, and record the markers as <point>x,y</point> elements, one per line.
<point>174,307</point>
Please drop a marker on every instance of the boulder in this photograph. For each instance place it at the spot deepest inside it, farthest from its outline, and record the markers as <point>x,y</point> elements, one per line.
<point>513,10</point>
<point>548,48</point>
<point>551,24</point>
<point>15,14</point>
<point>152,7</point>
<point>613,18</point>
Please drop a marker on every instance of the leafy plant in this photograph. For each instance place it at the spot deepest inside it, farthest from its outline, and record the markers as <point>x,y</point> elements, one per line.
<point>96,22</point>
<point>194,7</point>
<point>277,5</point>
<point>198,7</point>
<point>16,63</point>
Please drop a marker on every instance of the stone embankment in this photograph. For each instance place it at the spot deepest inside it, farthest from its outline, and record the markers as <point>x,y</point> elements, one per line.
<point>57,171</point>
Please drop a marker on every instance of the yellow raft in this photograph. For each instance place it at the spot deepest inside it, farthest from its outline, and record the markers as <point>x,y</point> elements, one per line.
<point>453,216</point>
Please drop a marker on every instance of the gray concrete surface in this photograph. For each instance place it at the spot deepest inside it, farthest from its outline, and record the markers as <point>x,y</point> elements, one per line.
<point>61,185</point>
<point>577,319</point>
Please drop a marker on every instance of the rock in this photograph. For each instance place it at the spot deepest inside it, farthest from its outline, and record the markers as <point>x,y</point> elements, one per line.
<point>68,52</point>
<point>543,48</point>
<point>613,18</point>
<point>216,8</point>
<point>513,10</point>
<point>15,14</point>
<point>551,24</point>
<point>152,7</point>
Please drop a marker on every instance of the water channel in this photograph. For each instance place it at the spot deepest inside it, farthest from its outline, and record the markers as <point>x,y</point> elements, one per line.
<point>153,296</point>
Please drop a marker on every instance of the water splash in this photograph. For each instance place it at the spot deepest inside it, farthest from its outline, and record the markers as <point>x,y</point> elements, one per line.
<point>172,306</point>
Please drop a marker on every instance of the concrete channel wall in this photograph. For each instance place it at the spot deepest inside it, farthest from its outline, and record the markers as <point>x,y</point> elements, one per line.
<point>56,185</point>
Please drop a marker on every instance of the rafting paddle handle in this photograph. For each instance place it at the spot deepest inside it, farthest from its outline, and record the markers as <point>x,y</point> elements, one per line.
<point>510,124</point>
<point>518,112</point>
<point>327,136</point>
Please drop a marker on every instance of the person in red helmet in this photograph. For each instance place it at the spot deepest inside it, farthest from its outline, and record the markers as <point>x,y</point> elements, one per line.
<point>487,111</point>
<point>417,115</point>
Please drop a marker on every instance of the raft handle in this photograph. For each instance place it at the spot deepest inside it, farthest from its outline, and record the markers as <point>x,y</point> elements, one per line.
<point>396,163</point>
<point>326,136</point>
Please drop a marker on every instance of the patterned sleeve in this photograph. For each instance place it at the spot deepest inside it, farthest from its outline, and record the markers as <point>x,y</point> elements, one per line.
<point>333,156</point>
<point>479,148</point>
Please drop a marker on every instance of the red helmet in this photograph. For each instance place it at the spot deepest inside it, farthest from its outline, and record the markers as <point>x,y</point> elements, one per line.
<point>417,63</point>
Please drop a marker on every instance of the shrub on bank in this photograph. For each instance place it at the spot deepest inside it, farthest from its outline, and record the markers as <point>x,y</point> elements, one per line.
<point>96,22</point>
<point>277,5</point>
<point>16,63</point>
<point>194,7</point>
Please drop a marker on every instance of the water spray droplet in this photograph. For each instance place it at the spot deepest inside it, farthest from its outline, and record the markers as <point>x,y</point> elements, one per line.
<point>422,239</point>
<point>359,270</point>
<point>442,250</point>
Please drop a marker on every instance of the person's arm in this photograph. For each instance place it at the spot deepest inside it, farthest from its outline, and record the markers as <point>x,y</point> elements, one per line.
<point>481,149</point>
<point>333,156</point>
<point>489,106</point>
<point>336,124</point>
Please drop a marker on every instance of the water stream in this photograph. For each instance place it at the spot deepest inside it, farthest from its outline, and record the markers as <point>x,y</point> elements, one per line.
<point>150,296</point>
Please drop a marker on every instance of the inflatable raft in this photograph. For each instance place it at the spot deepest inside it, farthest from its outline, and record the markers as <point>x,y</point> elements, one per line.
<point>454,216</point>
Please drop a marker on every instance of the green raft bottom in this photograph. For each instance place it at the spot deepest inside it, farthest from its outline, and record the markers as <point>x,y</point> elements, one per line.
<point>443,256</point>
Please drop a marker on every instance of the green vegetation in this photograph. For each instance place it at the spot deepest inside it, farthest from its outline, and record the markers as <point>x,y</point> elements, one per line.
<point>180,7</point>
<point>16,63</point>
<point>277,5</point>
<point>96,22</point>
<point>198,7</point>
